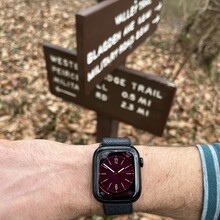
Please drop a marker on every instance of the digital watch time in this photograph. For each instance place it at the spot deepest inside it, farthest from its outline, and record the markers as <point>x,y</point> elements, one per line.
<point>116,175</point>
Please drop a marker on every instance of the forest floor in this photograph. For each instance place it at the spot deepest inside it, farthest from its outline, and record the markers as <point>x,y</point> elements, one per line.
<point>29,111</point>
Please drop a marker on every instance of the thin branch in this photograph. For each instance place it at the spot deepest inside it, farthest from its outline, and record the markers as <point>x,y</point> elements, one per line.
<point>204,37</point>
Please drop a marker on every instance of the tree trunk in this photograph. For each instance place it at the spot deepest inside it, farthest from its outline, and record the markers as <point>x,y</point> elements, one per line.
<point>200,37</point>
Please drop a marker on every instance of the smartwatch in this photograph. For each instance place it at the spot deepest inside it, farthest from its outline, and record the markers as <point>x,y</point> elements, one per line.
<point>116,175</point>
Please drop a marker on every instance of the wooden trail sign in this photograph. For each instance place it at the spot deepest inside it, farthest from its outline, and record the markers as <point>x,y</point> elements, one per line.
<point>136,98</point>
<point>108,32</point>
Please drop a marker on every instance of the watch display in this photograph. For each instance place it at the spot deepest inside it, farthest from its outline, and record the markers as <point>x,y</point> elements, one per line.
<point>116,174</point>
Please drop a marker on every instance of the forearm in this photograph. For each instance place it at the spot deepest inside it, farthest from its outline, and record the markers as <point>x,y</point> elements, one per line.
<point>171,182</point>
<point>50,180</point>
<point>45,180</point>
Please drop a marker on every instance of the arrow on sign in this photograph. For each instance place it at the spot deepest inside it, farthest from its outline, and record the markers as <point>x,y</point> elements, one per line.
<point>156,20</point>
<point>159,6</point>
<point>59,90</point>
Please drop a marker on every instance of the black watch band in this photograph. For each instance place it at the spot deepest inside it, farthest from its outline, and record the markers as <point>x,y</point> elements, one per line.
<point>116,142</point>
<point>117,208</point>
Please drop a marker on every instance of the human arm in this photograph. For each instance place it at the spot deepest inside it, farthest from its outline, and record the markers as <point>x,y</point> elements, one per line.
<point>45,180</point>
<point>172,182</point>
<point>49,180</point>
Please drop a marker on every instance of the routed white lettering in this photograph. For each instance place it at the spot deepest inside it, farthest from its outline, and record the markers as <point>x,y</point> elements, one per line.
<point>143,112</point>
<point>102,87</point>
<point>143,30</point>
<point>104,47</point>
<point>146,90</point>
<point>144,3</point>
<point>129,96</point>
<point>93,73</point>
<point>144,17</point>
<point>65,73</point>
<point>66,83</point>
<point>127,106</point>
<point>104,63</point>
<point>134,85</point>
<point>126,44</point>
<point>158,7</point>
<point>101,96</point>
<point>144,101</point>
<point>126,15</point>
<point>116,80</point>
<point>63,62</point>
<point>129,28</point>
<point>156,20</point>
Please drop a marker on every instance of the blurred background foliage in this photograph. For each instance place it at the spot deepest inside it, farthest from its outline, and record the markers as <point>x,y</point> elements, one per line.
<point>175,13</point>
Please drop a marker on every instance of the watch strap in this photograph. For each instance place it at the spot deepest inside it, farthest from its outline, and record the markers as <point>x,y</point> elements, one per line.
<point>117,209</point>
<point>116,142</point>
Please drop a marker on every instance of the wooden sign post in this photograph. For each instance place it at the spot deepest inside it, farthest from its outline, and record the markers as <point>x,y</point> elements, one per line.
<point>140,99</point>
<point>95,77</point>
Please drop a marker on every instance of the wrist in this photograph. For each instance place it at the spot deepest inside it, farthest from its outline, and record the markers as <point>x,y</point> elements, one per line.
<point>80,197</point>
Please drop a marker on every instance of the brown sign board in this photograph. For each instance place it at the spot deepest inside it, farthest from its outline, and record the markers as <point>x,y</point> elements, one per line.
<point>108,32</point>
<point>133,97</point>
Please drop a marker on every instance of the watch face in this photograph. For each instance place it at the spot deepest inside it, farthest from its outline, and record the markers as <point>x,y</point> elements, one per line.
<point>116,175</point>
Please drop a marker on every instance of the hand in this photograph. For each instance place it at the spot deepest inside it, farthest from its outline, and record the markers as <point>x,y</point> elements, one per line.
<point>108,168</point>
<point>45,180</point>
<point>121,170</point>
